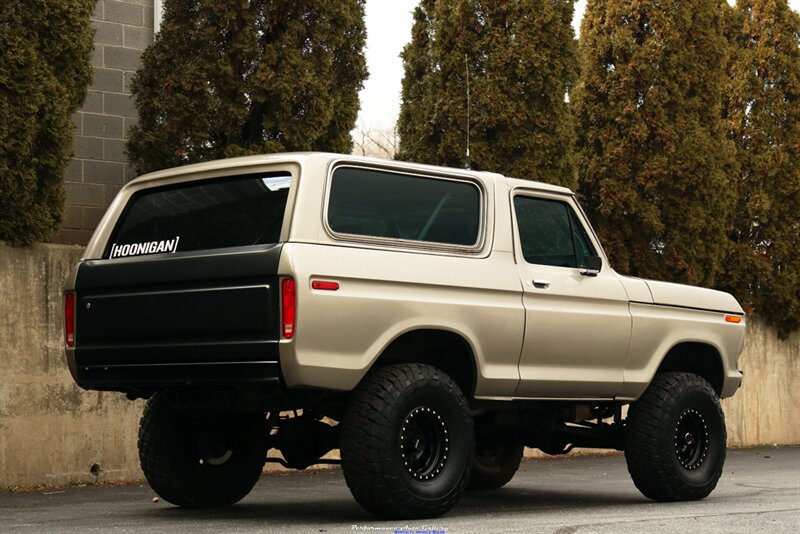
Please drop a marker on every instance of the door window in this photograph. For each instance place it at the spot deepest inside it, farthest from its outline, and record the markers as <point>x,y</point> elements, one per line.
<point>550,234</point>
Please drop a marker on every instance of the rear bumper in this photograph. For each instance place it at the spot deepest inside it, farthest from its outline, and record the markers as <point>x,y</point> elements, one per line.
<point>143,370</point>
<point>130,377</point>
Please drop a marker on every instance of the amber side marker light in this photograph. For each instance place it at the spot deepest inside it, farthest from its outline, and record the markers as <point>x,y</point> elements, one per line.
<point>733,319</point>
<point>69,319</point>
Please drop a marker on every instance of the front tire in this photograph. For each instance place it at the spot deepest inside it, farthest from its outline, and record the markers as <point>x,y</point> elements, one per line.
<point>407,442</point>
<point>200,462</point>
<point>675,438</point>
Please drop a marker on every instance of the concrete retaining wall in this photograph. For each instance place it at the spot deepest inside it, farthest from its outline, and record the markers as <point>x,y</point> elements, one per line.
<point>52,432</point>
<point>766,410</point>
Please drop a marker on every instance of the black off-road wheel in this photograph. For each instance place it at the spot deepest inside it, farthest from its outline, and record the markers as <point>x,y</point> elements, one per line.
<point>200,462</point>
<point>407,442</point>
<point>497,459</point>
<point>675,438</point>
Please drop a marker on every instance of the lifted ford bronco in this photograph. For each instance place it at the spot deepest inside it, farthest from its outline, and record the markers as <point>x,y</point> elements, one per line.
<point>427,322</point>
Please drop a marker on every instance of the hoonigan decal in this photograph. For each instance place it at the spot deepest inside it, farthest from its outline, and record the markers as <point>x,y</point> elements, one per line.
<point>151,247</point>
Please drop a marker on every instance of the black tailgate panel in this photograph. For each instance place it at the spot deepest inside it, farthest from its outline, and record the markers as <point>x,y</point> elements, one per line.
<point>189,315</point>
<point>187,310</point>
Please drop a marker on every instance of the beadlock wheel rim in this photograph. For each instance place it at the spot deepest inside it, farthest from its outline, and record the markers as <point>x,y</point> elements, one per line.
<point>691,439</point>
<point>424,443</point>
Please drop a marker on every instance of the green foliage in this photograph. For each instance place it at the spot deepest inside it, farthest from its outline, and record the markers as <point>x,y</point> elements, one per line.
<point>521,61</point>
<point>655,167</point>
<point>763,118</point>
<point>420,135</point>
<point>45,51</point>
<point>248,76</point>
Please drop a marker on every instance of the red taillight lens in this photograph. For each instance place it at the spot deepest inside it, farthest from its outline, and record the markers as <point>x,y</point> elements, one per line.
<point>69,319</point>
<point>287,308</point>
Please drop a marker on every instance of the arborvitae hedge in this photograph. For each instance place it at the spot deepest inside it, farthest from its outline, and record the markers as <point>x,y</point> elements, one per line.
<point>655,168</point>
<point>521,60</point>
<point>232,78</point>
<point>763,118</point>
<point>45,52</point>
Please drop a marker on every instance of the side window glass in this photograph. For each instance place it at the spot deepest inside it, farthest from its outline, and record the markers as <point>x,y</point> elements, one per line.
<point>583,246</point>
<point>550,234</point>
<point>398,206</point>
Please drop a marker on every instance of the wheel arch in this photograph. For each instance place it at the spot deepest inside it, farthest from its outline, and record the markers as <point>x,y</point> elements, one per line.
<point>700,358</point>
<point>444,349</point>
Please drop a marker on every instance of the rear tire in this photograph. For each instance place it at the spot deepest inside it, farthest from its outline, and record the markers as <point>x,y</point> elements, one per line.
<point>407,442</point>
<point>675,438</point>
<point>497,459</point>
<point>200,463</point>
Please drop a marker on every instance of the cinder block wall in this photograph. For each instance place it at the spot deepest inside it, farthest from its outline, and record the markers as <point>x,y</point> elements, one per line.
<point>99,166</point>
<point>52,432</point>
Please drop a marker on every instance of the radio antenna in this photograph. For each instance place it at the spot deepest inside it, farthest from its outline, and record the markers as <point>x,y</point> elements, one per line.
<point>466,64</point>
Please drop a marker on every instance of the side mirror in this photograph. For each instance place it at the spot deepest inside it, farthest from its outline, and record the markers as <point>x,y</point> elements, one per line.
<point>591,265</point>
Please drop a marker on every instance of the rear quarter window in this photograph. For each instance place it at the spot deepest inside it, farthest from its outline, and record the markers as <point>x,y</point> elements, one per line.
<point>383,204</point>
<point>220,213</point>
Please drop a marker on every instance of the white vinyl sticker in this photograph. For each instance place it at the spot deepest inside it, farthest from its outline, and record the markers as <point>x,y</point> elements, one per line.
<point>276,183</point>
<point>149,247</point>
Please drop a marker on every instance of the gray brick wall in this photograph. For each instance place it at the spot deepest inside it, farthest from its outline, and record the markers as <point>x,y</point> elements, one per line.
<point>99,165</point>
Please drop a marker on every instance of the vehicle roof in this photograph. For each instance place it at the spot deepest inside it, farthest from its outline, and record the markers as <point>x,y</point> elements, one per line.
<point>305,157</point>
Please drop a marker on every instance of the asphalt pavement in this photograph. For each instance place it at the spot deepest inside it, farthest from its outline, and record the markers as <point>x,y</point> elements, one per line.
<point>759,492</point>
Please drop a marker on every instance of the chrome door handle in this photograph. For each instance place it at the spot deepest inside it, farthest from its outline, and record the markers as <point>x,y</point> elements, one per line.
<point>541,284</point>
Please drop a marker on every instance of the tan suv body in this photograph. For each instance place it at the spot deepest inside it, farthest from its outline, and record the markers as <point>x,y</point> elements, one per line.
<point>288,281</point>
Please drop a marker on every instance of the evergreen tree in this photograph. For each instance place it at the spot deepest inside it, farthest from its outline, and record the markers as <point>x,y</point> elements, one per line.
<point>655,167</point>
<point>520,59</point>
<point>248,76</point>
<point>45,51</point>
<point>415,122</point>
<point>763,117</point>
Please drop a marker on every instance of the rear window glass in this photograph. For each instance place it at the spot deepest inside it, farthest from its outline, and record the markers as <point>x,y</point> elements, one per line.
<point>231,212</point>
<point>397,206</point>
